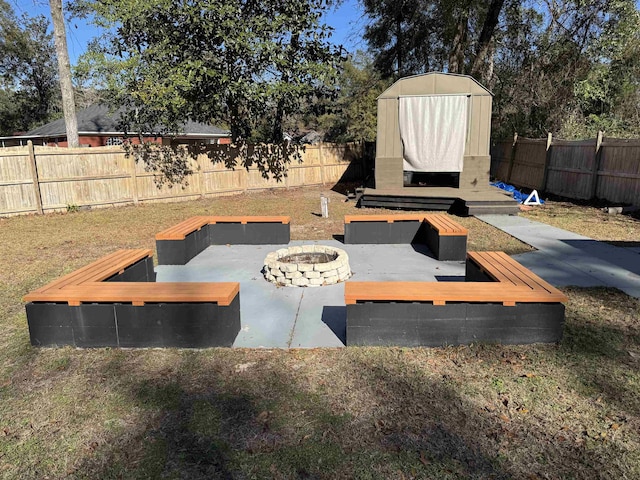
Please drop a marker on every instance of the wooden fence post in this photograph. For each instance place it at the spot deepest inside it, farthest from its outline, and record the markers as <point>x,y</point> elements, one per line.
<point>201,177</point>
<point>547,160</point>
<point>513,157</point>
<point>323,174</point>
<point>34,176</point>
<point>287,183</point>
<point>596,164</point>
<point>134,179</point>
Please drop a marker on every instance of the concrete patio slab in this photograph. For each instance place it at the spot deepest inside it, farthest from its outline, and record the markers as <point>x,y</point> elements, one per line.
<point>291,317</point>
<point>288,317</point>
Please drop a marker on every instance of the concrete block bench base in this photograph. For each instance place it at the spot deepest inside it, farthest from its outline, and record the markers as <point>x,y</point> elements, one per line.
<point>180,252</point>
<point>413,231</point>
<point>115,302</point>
<point>141,271</point>
<point>413,324</point>
<point>181,325</point>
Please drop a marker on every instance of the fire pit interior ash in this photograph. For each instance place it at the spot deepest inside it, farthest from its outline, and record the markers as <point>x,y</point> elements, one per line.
<point>307,266</point>
<point>311,258</point>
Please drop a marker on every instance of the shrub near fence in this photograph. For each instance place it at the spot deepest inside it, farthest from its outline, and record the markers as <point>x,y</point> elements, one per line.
<point>43,179</point>
<point>603,168</point>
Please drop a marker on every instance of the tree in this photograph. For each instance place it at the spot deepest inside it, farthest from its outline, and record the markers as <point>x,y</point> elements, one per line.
<point>569,68</point>
<point>353,116</point>
<point>417,36</point>
<point>608,97</point>
<point>64,70</point>
<point>234,62</point>
<point>29,94</point>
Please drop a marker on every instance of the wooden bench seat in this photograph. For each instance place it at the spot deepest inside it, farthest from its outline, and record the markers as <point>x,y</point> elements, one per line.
<point>180,243</point>
<point>182,229</point>
<point>113,264</point>
<point>441,222</point>
<point>441,293</point>
<point>139,293</point>
<point>500,267</point>
<point>500,301</point>
<point>445,225</point>
<point>115,301</point>
<point>445,237</point>
<point>404,217</point>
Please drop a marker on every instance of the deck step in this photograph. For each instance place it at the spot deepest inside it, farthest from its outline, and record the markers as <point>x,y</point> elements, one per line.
<point>452,205</point>
<point>406,203</point>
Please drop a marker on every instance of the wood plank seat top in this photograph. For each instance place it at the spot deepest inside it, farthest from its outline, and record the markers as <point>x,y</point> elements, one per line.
<point>250,219</point>
<point>441,293</point>
<point>87,284</point>
<point>139,293</point>
<point>504,269</point>
<point>405,217</point>
<point>444,224</point>
<point>182,229</point>
<point>513,283</point>
<point>97,271</point>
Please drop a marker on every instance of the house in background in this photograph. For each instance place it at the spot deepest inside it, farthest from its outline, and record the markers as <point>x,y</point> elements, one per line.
<point>98,127</point>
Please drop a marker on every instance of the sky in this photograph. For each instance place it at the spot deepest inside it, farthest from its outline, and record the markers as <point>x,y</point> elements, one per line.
<point>346,20</point>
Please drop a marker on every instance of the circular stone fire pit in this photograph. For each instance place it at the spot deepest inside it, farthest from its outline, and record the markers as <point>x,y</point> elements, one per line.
<point>307,266</point>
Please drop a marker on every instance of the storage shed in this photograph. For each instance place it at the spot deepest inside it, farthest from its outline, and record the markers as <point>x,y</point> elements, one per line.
<point>436,123</point>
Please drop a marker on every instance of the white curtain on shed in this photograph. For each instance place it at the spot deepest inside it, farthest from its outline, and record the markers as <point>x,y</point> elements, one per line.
<point>434,132</point>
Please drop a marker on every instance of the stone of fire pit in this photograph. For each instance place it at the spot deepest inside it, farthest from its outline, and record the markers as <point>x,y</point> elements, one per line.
<point>307,266</point>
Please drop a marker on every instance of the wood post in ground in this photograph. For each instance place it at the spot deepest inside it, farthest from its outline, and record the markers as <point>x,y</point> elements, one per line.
<point>596,164</point>
<point>513,156</point>
<point>34,175</point>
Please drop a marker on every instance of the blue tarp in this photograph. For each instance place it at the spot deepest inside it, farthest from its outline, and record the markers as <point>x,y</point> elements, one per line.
<point>517,194</point>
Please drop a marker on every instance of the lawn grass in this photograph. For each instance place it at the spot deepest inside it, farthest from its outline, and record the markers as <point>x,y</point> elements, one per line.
<point>482,411</point>
<point>589,220</point>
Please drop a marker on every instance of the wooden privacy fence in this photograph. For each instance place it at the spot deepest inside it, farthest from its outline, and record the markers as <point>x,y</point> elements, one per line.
<point>43,179</point>
<point>604,168</point>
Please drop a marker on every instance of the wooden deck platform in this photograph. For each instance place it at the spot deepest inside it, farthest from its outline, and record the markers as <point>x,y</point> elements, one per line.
<point>455,200</point>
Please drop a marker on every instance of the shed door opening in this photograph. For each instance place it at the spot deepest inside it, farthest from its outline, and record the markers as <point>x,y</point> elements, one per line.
<point>426,179</point>
<point>433,129</point>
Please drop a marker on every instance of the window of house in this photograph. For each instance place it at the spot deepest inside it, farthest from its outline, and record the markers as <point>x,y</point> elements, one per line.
<point>111,141</point>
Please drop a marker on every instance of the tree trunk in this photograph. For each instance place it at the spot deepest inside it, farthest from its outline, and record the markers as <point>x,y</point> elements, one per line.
<point>276,132</point>
<point>64,71</point>
<point>399,45</point>
<point>488,28</point>
<point>456,56</point>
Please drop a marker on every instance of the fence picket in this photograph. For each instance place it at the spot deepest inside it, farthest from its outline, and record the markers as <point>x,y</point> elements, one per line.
<point>44,179</point>
<point>608,169</point>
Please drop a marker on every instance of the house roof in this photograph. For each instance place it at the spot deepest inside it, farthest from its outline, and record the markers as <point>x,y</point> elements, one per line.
<point>98,119</point>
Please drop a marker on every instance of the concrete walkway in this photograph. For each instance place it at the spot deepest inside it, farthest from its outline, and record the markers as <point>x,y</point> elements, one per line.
<point>564,258</point>
<point>281,317</point>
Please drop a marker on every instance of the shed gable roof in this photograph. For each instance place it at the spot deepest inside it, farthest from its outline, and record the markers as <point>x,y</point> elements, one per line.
<point>435,83</point>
